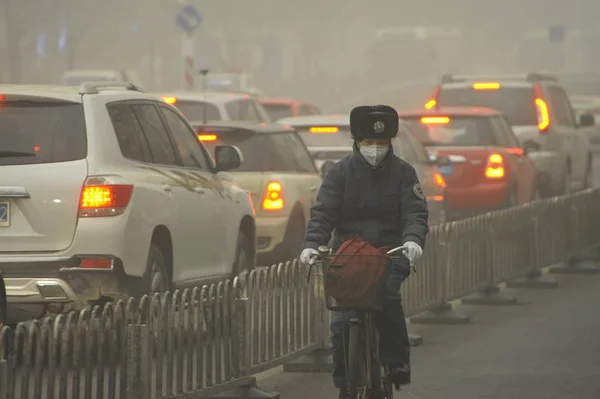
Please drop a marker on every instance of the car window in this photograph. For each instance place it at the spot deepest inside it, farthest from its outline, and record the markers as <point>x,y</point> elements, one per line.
<point>160,143</point>
<point>197,111</point>
<point>504,133</point>
<point>253,146</point>
<point>132,142</point>
<point>458,131</point>
<point>35,132</point>
<point>339,137</point>
<point>282,159</point>
<point>186,140</point>
<point>278,111</point>
<point>418,149</point>
<point>306,109</point>
<point>303,159</point>
<point>517,103</point>
<point>261,114</point>
<point>561,107</point>
<point>242,110</point>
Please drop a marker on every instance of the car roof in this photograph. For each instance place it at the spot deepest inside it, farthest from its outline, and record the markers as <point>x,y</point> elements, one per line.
<point>261,128</point>
<point>312,120</point>
<point>451,111</point>
<point>209,96</point>
<point>74,93</point>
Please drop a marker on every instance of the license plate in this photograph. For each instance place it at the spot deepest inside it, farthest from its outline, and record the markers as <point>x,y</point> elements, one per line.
<point>446,170</point>
<point>4,213</point>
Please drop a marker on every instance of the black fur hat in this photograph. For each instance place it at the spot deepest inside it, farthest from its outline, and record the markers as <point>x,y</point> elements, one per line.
<point>373,122</point>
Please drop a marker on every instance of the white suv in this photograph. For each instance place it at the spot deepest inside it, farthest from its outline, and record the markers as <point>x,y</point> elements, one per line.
<point>105,192</point>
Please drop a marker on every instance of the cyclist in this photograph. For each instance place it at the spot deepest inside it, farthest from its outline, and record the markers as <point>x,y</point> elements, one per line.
<point>376,195</point>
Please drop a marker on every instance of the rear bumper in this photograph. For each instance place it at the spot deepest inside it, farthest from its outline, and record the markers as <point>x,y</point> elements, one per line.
<point>482,197</point>
<point>270,232</point>
<point>37,287</point>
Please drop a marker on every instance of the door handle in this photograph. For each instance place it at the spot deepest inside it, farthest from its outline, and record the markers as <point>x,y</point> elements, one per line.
<point>313,188</point>
<point>166,188</point>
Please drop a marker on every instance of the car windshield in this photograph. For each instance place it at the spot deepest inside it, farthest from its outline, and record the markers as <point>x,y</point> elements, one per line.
<point>278,111</point>
<point>34,132</point>
<point>251,145</point>
<point>458,132</point>
<point>339,138</point>
<point>517,104</point>
<point>195,110</point>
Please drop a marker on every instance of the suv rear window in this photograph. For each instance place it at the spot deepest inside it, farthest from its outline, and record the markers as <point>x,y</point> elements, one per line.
<point>194,110</point>
<point>341,138</point>
<point>37,132</point>
<point>277,111</point>
<point>252,146</point>
<point>517,104</point>
<point>459,132</point>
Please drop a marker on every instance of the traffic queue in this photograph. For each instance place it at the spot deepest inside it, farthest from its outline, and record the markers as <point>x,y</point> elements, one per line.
<point>107,191</point>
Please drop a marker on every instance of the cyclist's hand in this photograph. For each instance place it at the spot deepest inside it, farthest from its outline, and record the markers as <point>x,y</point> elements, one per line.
<point>308,256</point>
<point>413,251</point>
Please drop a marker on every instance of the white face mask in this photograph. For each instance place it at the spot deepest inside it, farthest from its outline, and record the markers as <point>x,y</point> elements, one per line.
<point>374,154</point>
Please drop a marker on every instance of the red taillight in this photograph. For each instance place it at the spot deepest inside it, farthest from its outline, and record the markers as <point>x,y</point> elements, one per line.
<point>96,263</point>
<point>2,97</point>
<point>543,116</point>
<point>439,180</point>
<point>273,199</point>
<point>98,198</point>
<point>515,151</point>
<point>495,167</point>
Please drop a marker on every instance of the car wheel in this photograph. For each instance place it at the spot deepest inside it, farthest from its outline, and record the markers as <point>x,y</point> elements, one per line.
<point>589,176</point>
<point>511,200</point>
<point>156,278</point>
<point>3,304</point>
<point>567,183</point>
<point>243,254</point>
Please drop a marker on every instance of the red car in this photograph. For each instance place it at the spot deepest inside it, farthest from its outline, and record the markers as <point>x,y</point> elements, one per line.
<point>279,108</point>
<point>489,168</point>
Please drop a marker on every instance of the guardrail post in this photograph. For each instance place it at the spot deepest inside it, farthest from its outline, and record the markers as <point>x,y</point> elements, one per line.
<point>490,295</point>
<point>138,362</point>
<point>575,263</point>
<point>320,360</point>
<point>534,278</point>
<point>444,313</point>
<point>4,379</point>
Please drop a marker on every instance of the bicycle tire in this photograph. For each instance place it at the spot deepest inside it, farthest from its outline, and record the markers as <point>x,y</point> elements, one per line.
<point>380,382</point>
<point>355,358</point>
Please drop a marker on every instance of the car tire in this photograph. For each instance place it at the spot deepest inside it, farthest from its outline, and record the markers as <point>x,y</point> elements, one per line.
<point>589,181</point>
<point>566,189</point>
<point>243,256</point>
<point>294,237</point>
<point>511,199</point>
<point>156,278</point>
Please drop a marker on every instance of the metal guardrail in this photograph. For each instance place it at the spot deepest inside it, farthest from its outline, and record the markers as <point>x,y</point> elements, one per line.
<point>197,343</point>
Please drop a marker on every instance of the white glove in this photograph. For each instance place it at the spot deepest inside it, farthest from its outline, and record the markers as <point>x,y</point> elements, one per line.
<point>413,251</point>
<point>308,256</point>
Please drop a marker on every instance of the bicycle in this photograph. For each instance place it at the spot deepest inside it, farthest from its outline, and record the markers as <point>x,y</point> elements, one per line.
<point>363,341</point>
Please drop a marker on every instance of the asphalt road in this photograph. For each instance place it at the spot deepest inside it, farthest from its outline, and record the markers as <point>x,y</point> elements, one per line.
<point>545,347</point>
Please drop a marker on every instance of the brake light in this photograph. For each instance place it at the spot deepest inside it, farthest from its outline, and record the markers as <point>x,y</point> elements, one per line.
<point>100,198</point>
<point>515,151</point>
<point>273,199</point>
<point>486,86</point>
<point>2,97</point>
<point>169,100</point>
<point>495,167</point>
<point>36,148</point>
<point>207,137</point>
<point>543,116</point>
<point>439,180</point>
<point>435,120</point>
<point>324,129</point>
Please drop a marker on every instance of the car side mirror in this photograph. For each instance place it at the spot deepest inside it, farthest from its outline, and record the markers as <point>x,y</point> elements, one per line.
<point>441,161</point>
<point>227,157</point>
<point>586,120</point>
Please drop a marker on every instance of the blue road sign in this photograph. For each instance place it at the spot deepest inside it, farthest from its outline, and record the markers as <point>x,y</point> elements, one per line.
<point>189,19</point>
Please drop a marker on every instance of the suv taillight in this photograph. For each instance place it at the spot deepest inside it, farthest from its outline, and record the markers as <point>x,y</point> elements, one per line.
<point>495,167</point>
<point>99,198</point>
<point>541,107</point>
<point>273,199</point>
